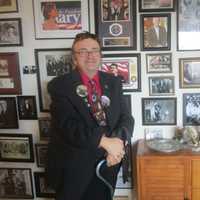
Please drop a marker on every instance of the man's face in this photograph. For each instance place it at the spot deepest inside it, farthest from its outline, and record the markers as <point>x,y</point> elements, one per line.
<point>87,56</point>
<point>156,21</point>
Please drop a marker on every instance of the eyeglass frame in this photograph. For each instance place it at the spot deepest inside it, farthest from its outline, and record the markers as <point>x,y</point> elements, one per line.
<point>86,53</point>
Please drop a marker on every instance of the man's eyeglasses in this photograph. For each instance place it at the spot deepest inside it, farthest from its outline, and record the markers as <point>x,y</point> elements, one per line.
<point>86,53</point>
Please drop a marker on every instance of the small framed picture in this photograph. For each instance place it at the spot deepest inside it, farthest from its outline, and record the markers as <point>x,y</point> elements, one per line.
<point>57,19</point>
<point>41,187</point>
<point>156,5</point>
<point>188,20</point>
<point>159,111</point>
<point>8,113</point>
<point>155,32</point>
<point>27,108</point>
<point>16,147</point>
<point>128,66</point>
<point>159,63</point>
<point>44,127</point>
<point>189,72</point>
<point>10,82</point>
<point>161,85</point>
<point>41,154</point>
<point>116,24</point>
<point>11,32</point>
<point>51,63</point>
<point>8,6</point>
<point>16,183</point>
<point>191,109</point>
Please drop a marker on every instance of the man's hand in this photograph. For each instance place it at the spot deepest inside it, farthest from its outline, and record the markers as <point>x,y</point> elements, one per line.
<point>112,160</point>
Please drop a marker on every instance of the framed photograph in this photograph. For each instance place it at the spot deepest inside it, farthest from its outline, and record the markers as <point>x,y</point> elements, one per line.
<point>128,66</point>
<point>42,190</point>
<point>51,63</point>
<point>44,127</point>
<point>27,108</point>
<point>10,82</point>
<point>120,198</point>
<point>159,63</point>
<point>191,109</point>
<point>159,111</point>
<point>155,32</point>
<point>16,183</point>
<point>188,20</point>
<point>11,32</point>
<point>161,85</point>
<point>41,154</point>
<point>116,24</point>
<point>57,19</point>
<point>8,6</point>
<point>8,113</point>
<point>156,5</point>
<point>16,147</point>
<point>189,72</point>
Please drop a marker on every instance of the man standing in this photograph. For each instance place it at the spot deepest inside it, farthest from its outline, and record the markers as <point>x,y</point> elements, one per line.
<point>90,122</point>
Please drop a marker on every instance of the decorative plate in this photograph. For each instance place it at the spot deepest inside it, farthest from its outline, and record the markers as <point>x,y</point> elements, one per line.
<point>164,145</point>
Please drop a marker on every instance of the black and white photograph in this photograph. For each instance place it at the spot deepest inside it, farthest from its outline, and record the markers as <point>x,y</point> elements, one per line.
<point>8,113</point>
<point>27,108</point>
<point>16,183</point>
<point>51,63</point>
<point>159,111</point>
<point>41,154</point>
<point>10,32</point>
<point>191,109</point>
<point>29,69</point>
<point>159,63</point>
<point>161,85</point>
<point>16,147</point>
<point>44,127</point>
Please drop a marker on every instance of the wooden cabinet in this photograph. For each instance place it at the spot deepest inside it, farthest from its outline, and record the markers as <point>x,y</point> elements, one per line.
<point>167,176</point>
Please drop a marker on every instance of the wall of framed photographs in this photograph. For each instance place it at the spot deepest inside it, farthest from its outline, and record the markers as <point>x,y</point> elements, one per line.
<point>161,74</point>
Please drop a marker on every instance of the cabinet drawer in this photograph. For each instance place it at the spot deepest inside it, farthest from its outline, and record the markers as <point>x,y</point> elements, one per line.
<point>195,174</point>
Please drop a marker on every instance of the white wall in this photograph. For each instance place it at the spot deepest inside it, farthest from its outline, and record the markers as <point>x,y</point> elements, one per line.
<point>29,83</point>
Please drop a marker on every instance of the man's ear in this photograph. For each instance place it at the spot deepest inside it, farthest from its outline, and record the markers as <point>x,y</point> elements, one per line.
<point>74,62</point>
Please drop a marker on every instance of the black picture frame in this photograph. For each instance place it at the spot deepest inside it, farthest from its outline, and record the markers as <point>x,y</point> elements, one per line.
<point>8,6</point>
<point>191,107</point>
<point>188,19</point>
<point>149,39</point>
<point>8,113</point>
<point>27,108</point>
<point>118,33</point>
<point>128,66</point>
<point>16,183</point>
<point>50,63</point>
<point>41,154</point>
<point>42,190</point>
<point>156,5</point>
<point>16,147</point>
<point>44,128</point>
<point>159,111</point>
<point>11,32</point>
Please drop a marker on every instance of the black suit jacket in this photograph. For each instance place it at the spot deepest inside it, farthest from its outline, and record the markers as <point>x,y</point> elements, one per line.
<point>73,148</point>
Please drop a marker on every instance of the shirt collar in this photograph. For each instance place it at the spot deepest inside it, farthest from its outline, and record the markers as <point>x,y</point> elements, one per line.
<point>86,79</point>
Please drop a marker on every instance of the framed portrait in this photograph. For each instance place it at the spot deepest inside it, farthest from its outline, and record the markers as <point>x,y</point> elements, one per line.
<point>16,147</point>
<point>41,154</point>
<point>44,128</point>
<point>156,5</point>
<point>16,183</point>
<point>191,109</point>
<point>41,187</point>
<point>189,71</point>
<point>155,32</point>
<point>57,19</point>
<point>8,113</point>
<point>11,32</point>
<point>161,85</point>
<point>128,66</point>
<point>8,6</point>
<point>159,62</point>
<point>50,63</point>
<point>10,82</point>
<point>188,25</point>
<point>27,108</point>
<point>159,111</point>
<point>116,24</point>
<point>120,198</point>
